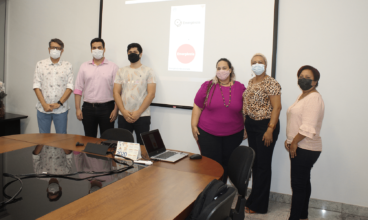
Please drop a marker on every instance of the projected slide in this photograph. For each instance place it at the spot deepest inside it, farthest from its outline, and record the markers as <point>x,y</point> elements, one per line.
<point>186,43</point>
<point>183,39</point>
<point>144,1</point>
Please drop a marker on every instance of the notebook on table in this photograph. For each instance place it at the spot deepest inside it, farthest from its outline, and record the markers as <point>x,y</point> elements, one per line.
<point>156,148</point>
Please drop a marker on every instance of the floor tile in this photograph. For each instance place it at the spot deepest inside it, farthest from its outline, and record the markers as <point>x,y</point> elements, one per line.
<point>326,205</point>
<point>276,211</point>
<point>352,217</point>
<point>281,211</point>
<point>319,214</point>
<point>268,216</point>
<point>354,210</point>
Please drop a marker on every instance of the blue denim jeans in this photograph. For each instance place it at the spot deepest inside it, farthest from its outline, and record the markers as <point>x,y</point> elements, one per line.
<point>60,122</point>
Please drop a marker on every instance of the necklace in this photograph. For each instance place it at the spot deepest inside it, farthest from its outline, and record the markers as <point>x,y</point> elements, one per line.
<point>224,83</point>
<point>224,98</point>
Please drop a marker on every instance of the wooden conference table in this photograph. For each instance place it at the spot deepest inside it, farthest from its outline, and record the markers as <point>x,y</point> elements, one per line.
<point>161,191</point>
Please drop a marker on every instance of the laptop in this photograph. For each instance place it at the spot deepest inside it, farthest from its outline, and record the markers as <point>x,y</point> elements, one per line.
<point>156,149</point>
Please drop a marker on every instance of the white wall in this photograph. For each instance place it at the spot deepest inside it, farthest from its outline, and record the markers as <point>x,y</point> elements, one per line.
<point>30,26</point>
<point>330,35</point>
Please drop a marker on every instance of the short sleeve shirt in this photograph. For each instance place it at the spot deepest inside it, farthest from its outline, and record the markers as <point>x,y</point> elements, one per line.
<point>134,84</point>
<point>52,160</point>
<point>53,79</point>
<point>216,118</point>
<point>256,99</point>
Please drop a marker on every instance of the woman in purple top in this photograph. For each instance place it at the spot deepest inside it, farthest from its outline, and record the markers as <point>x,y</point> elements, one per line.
<point>217,120</point>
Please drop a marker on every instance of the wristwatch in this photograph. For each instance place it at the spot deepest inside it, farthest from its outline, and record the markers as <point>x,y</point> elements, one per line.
<point>60,103</point>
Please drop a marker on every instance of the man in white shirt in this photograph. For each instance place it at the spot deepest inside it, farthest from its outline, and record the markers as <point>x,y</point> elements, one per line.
<point>53,84</point>
<point>134,90</point>
<point>47,159</point>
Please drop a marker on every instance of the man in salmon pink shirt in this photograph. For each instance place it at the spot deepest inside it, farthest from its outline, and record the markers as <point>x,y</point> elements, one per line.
<point>95,82</point>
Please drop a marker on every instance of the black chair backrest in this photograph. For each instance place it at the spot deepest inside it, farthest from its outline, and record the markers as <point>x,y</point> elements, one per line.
<point>118,134</point>
<point>240,165</point>
<point>220,208</point>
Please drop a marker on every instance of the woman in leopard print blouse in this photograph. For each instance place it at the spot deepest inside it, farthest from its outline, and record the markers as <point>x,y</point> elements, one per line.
<point>261,109</point>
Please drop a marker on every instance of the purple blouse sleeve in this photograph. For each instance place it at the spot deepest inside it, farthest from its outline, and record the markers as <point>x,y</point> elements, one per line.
<point>201,95</point>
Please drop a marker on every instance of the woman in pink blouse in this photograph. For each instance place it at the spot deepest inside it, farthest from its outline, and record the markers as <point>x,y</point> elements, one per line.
<point>304,122</point>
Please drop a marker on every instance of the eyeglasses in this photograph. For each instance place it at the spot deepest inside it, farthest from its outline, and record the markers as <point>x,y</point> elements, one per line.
<point>57,48</point>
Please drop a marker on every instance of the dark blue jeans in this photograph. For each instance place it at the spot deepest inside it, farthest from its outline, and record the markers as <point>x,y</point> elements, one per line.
<point>94,116</point>
<point>301,167</point>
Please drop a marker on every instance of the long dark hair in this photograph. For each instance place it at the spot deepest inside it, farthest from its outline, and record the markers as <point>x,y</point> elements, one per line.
<point>213,83</point>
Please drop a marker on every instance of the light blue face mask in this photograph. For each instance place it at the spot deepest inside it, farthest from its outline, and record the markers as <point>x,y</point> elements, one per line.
<point>258,68</point>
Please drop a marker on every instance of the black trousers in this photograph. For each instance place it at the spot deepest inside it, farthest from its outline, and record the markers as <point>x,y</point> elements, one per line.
<point>97,115</point>
<point>219,148</point>
<point>301,167</point>
<point>140,126</point>
<point>261,170</point>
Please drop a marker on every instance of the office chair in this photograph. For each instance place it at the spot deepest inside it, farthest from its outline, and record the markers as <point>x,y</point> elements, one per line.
<point>240,165</point>
<point>118,134</point>
<point>220,208</point>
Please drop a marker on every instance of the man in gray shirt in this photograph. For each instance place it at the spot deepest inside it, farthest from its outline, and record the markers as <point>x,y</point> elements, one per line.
<point>134,90</point>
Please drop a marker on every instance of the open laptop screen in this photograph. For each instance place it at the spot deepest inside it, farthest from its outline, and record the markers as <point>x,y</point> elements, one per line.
<point>153,142</point>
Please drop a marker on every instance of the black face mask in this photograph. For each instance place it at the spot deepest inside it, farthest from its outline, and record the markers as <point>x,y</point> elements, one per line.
<point>305,84</point>
<point>133,57</point>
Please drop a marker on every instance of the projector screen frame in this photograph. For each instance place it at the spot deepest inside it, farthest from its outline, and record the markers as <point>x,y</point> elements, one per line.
<point>274,49</point>
<point>100,20</point>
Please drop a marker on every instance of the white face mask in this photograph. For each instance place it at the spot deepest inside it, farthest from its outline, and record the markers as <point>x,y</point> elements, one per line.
<point>55,54</point>
<point>97,54</point>
<point>258,69</point>
<point>53,188</point>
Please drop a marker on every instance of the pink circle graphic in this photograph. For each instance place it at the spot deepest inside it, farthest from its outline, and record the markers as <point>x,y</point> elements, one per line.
<point>185,53</point>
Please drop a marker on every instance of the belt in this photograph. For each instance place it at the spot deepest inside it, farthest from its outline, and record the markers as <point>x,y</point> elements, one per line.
<point>98,104</point>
